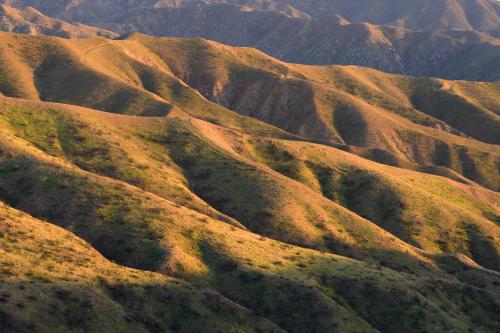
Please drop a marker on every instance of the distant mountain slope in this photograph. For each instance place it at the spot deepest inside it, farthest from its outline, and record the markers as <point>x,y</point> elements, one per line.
<point>30,21</point>
<point>448,38</point>
<point>443,53</point>
<point>481,15</point>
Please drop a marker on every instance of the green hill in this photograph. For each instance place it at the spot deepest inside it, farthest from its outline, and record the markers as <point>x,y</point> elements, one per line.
<point>46,272</point>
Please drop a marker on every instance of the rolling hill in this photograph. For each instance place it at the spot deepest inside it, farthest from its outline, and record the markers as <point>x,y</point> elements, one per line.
<point>450,54</point>
<point>164,184</point>
<point>140,223</point>
<point>431,125</point>
<point>52,274</point>
<point>446,38</point>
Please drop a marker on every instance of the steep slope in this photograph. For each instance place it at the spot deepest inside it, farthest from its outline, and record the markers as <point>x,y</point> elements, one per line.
<point>407,204</point>
<point>296,227</point>
<point>57,156</point>
<point>30,21</point>
<point>479,15</point>
<point>408,122</point>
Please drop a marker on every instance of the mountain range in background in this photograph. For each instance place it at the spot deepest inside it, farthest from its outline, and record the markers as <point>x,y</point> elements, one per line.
<point>443,38</point>
<point>480,15</point>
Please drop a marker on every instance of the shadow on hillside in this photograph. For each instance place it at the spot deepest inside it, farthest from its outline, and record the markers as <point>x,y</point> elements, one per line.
<point>105,215</point>
<point>119,306</point>
<point>351,126</point>
<point>288,104</point>
<point>338,298</point>
<point>482,248</point>
<point>64,80</point>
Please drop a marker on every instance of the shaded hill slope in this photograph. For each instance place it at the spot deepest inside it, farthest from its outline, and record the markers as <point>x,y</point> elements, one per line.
<point>196,156</point>
<point>136,211</point>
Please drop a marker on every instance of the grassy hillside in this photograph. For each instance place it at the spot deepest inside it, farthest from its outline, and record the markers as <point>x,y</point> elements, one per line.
<point>129,224</point>
<point>178,147</point>
<point>429,212</point>
<point>197,156</point>
<point>347,105</point>
<point>419,122</point>
<point>47,272</point>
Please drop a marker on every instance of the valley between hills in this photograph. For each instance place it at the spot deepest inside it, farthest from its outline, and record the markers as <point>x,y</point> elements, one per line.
<point>160,184</point>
